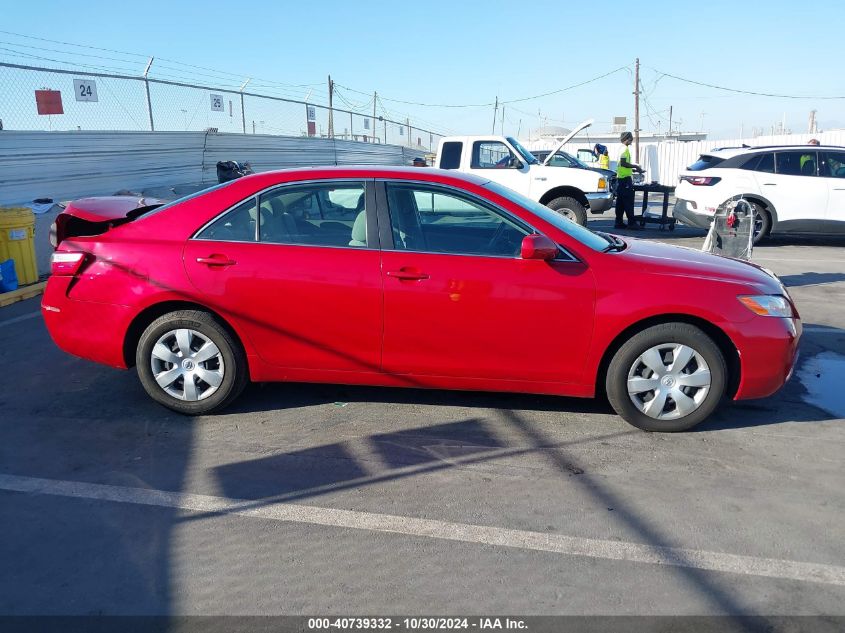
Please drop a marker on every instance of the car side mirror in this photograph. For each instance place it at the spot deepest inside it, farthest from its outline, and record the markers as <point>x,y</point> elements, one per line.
<point>538,247</point>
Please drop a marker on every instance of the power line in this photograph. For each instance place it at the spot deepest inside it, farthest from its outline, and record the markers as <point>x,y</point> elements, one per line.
<point>41,39</point>
<point>491,103</point>
<point>573,86</point>
<point>110,50</point>
<point>747,92</point>
<point>15,53</point>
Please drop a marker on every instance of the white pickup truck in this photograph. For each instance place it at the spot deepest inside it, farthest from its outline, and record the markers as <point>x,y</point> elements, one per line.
<point>568,190</point>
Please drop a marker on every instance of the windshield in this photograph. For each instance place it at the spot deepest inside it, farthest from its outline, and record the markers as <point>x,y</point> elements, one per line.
<point>576,231</point>
<point>562,159</point>
<point>527,156</point>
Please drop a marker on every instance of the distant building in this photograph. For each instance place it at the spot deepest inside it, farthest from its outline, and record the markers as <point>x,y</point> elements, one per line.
<point>553,134</point>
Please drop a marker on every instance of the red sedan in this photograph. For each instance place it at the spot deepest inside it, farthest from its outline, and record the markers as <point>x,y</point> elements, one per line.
<point>413,278</point>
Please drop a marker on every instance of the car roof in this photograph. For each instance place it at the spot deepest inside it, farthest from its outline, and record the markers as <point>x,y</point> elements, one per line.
<point>368,171</point>
<point>729,152</point>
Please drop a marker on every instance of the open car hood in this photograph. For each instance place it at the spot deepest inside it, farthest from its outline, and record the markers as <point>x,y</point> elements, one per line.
<point>584,124</point>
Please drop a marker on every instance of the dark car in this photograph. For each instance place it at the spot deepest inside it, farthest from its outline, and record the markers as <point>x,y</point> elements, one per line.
<point>562,159</point>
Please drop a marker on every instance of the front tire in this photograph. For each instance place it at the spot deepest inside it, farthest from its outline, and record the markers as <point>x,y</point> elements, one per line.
<point>667,378</point>
<point>188,362</point>
<point>569,208</point>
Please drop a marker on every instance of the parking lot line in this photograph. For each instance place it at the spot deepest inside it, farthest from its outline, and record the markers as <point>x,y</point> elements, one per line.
<point>428,528</point>
<point>18,319</point>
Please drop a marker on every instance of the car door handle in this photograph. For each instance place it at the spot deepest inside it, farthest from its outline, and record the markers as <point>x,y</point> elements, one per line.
<point>770,184</point>
<point>407,275</point>
<point>216,260</point>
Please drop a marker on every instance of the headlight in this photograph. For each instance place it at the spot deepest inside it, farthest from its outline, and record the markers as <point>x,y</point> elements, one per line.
<point>767,305</point>
<point>602,184</point>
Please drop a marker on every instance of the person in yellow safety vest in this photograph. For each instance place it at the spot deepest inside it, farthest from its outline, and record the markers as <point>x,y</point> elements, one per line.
<point>604,158</point>
<point>625,184</point>
<point>806,157</point>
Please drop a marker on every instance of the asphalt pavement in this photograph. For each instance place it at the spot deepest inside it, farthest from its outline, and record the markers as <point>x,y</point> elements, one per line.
<point>347,500</point>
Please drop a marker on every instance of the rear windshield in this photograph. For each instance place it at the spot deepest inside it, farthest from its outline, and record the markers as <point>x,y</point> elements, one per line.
<point>705,162</point>
<point>153,210</point>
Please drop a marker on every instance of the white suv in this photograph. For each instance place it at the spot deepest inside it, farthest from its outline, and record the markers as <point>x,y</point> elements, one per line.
<point>794,189</point>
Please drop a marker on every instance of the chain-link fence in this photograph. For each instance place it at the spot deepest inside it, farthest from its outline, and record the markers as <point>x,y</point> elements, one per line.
<point>34,98</point>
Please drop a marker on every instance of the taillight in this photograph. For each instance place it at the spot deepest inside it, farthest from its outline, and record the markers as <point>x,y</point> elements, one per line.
<point>67,264</point>
<point>701,180</point>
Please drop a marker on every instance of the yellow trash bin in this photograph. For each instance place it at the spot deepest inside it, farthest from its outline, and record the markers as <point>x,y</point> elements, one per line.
<point>17,241</point>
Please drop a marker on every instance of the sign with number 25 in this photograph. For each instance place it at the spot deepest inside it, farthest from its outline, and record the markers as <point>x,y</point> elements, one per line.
<point>217,103</point>
<point>85,89</point>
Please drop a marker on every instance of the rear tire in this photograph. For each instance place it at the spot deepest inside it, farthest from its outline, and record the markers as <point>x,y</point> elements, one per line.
<point>569,208</point>
<point>188,362</point>
<point>646,388</point>
<point>762,222</point>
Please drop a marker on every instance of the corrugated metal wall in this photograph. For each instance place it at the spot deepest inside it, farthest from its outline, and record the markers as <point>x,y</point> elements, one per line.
<point>67,165</point>
<point>64,165</point>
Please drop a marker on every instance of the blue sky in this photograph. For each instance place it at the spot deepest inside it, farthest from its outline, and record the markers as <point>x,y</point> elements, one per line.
<point>471,52</point>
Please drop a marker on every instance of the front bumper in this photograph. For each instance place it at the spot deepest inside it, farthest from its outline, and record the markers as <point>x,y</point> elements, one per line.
<point>683,212</point>
<point>600,202</point>
<point>768,350</point>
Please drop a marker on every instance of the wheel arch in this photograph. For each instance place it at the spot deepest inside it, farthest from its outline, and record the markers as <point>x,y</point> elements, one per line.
<point>565,191</point>
<point>149,314</point>
<point>722,340</point>
<point>767,205</point>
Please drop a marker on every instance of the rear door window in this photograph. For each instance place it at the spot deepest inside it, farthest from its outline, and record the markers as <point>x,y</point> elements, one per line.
<point>238,225</point>
<point>765,164</point>
<point>451,155</point>
<point>796,163</point>
<point>324,214</point>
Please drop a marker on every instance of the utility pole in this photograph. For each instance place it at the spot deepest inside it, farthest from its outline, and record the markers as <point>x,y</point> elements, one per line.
<point>495,112</point>
<point>375,96</point>
<point>811,126</point>
<point>331,111</point>
<point>670,120</point>
<point>243,113</point>
<point>149,102</point>
<point>637,111</point>
<point>503,121</point>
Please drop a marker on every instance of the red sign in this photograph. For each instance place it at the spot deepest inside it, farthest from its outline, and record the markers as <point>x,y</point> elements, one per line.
<point>49,101</point>
<point>312,128</point>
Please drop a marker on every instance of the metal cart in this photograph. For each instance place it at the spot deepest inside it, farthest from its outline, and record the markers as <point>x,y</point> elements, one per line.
<point>732,231</point>
<point>661,219</point>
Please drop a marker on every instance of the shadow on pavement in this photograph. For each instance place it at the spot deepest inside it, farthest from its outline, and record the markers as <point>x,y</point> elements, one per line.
<point>811,279</point>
